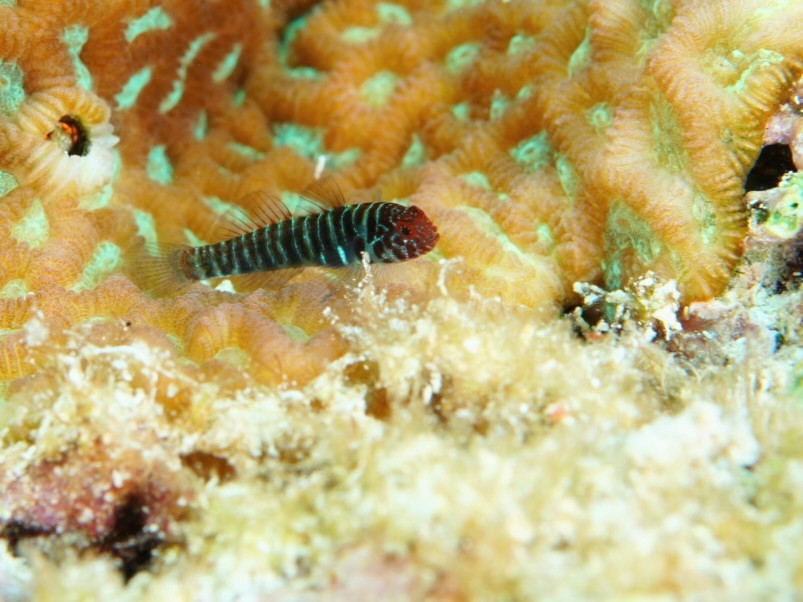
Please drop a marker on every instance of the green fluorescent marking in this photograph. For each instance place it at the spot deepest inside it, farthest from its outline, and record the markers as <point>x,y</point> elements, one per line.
<point>600,117</point>
<point>358,34</point>
<point>7,183</point>
<point>627,232</point>
<point>377,90</point>
<point>228,64</point>
<point>172,99</point>
<point>415,154</point>
<point>296,334</point>
<point>127,97</point>
<point>14,289</point>
<point>545,236</point>
<point>12,92</point>
<point>155,19</point>
<point>499,104</point>
<point>534,152</point>
<point>668,144</point>
<point>461,57</point>
<point>75,37</point>
<point>458,4</point>
<point>201,126</point>
<point>159,168</point>
<point>146,227</point>
<point>461,111</point>
<point>705,217</point>
<point>193,239</point>
<point>33,229</point>
<point>520,44</point>
<point>239,98</point>
<point>477,179</point>
<point>581,55</point>
<point>308,142</point>
<point>569,180</point>
<point>290,34</point>
<point>393,13</point>
<point>232,213</point>
<point>246,151</point>
<point>486,223</point>
<point>755,63</point>
<point>106,258</point>
<point>9,3</point>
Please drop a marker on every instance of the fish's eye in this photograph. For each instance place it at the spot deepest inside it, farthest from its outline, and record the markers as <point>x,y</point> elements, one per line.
<point>405,231</point>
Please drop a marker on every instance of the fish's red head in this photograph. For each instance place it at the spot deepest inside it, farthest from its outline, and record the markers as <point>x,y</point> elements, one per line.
<point>407,233</point>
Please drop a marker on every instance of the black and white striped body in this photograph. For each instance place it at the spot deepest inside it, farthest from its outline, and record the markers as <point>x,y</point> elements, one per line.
<point>386,232</point>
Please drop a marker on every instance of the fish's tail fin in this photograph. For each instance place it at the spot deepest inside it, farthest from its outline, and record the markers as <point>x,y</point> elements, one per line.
<point>159,270</point>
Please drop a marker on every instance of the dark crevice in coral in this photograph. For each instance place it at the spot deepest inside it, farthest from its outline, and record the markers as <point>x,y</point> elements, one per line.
<point>131,540</point>
<point>16,531</point>
<point>774,161</point>
<point>207,466</point>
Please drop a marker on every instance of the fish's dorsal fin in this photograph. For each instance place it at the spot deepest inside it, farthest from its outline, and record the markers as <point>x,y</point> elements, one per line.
<point>254,210</point>
<point>325,193</point>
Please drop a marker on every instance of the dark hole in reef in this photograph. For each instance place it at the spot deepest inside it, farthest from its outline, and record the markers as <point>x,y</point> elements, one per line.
<point>207,465</point>
<point>130,540</point>
<point>71,136</point>
<point>772,163</point>
<point>16,531</point>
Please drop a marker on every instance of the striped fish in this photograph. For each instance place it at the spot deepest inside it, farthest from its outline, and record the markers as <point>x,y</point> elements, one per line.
<point>336,235</point>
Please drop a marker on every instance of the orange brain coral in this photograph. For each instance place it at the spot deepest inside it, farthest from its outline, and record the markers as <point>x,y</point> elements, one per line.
<point>550,141</point>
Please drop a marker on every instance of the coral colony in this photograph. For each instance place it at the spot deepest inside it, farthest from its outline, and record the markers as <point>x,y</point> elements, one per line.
<point>589,387</point>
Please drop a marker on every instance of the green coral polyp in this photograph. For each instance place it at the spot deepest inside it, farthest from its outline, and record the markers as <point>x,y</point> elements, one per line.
<point>7,183</point>
<point>155,19</point>
<point>308,142</point>
<point>106,259</point>
<point>581,55</point>
<point>669,151</point>
<point>14,289</point>
<point>627,231</point>
<point>158,167</point>
<point>75,37</point>
<point>174,96</point>
<point>415,154</point>
<point>377,90</point>
<point>461,57</point>
<point>127,97</point>
<point>534,152</point>
<point>34,227</point>
<point>389,12</point>
<point>600,117</point>
<point>228,64</point>
<point>12,90</point>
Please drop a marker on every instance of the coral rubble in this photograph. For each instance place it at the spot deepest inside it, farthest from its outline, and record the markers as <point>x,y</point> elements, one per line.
<point>438,431</point>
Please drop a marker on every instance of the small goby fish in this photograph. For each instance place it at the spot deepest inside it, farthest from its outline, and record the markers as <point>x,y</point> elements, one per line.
<point>336,235</point>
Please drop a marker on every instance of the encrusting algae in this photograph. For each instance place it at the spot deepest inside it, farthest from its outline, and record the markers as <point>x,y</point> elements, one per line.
<point>438,431</point>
